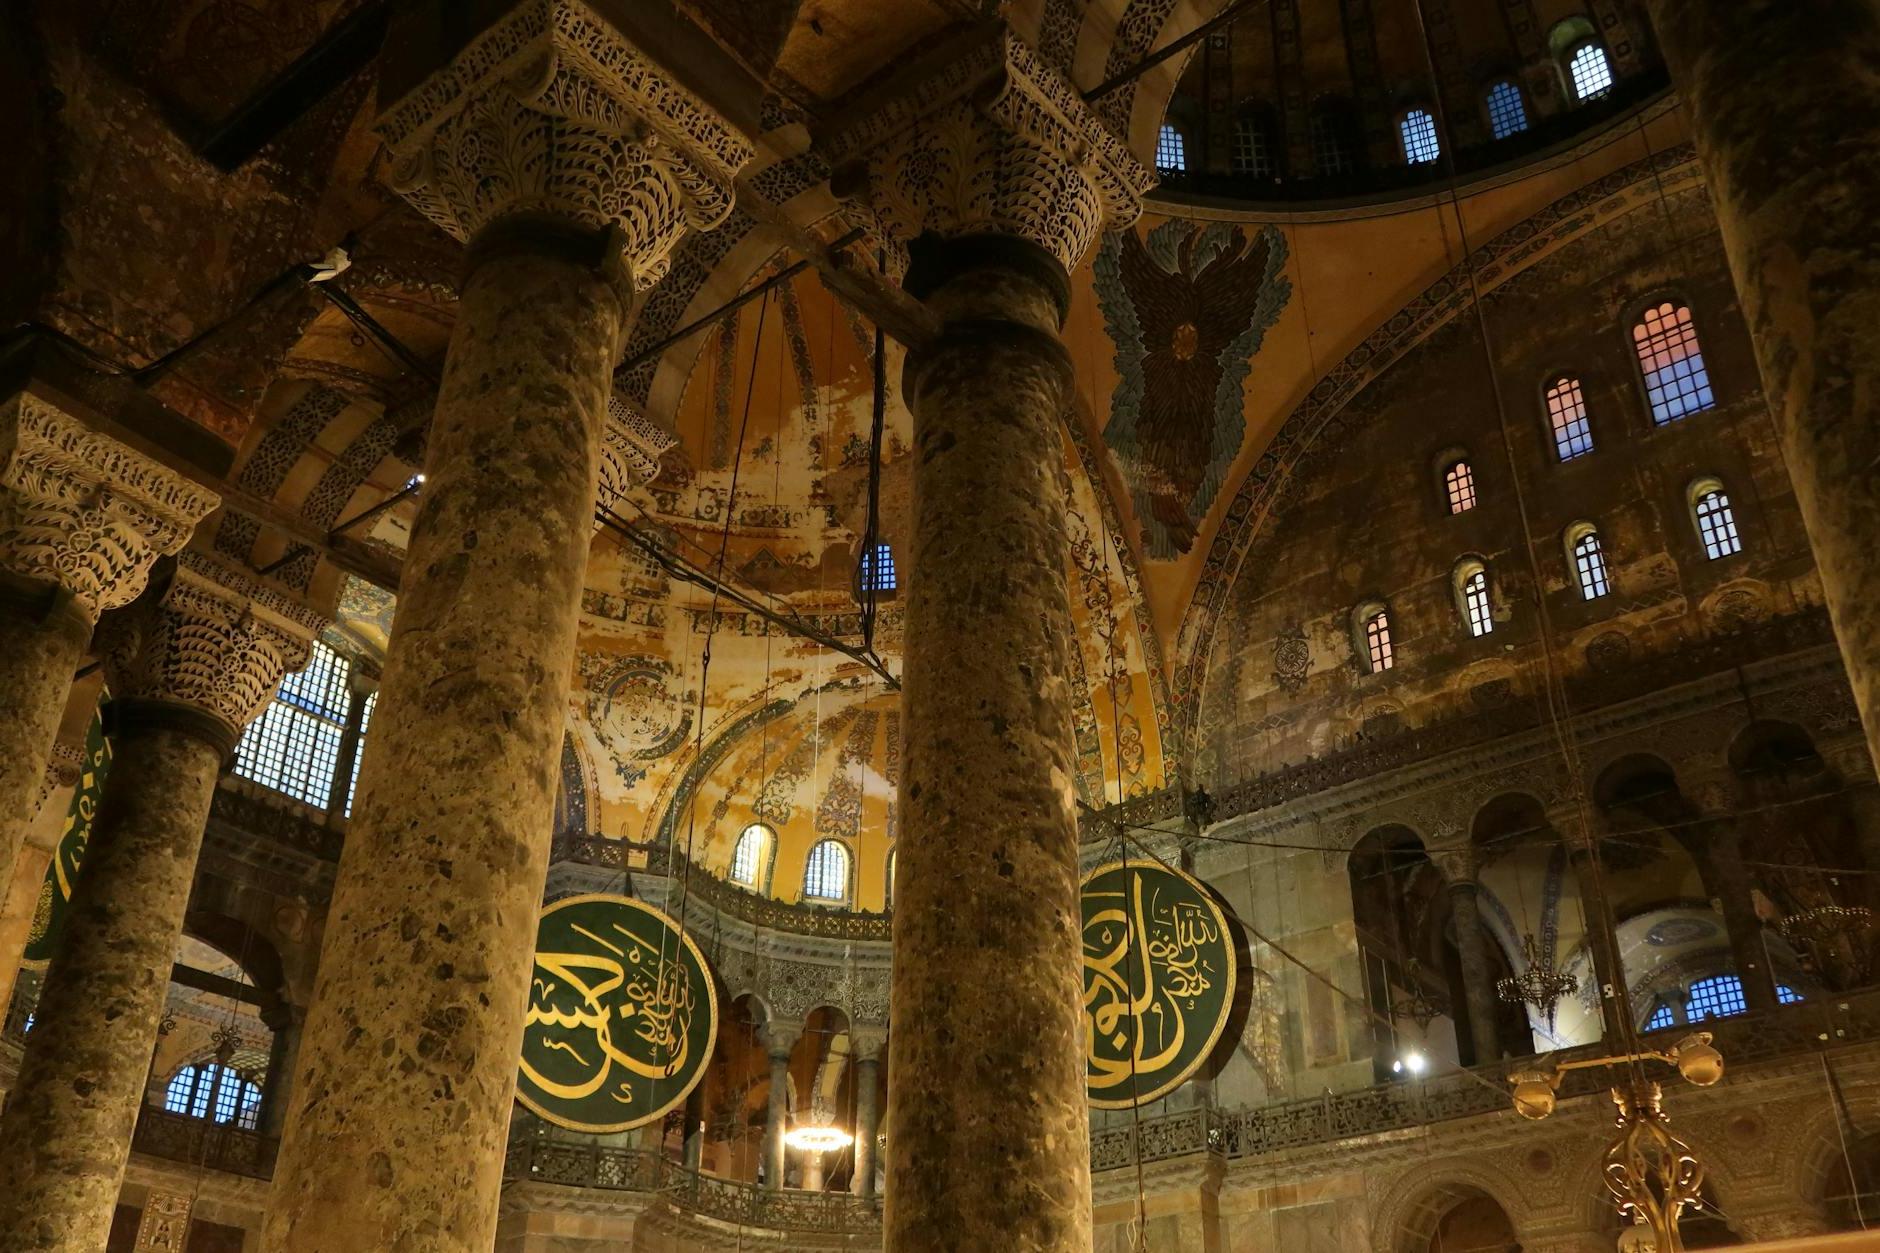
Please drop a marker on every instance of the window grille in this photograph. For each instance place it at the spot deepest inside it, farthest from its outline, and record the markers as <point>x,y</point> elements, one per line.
<point>1377,641</point>
<point>826,877</point>
<point>1566,413</point>
<point>1589,566</point>
<point>1253,148</point>
<point>1507,110</point>
<point>214,1092</point>
<point>747,859</point>
<point>1170,152</point>
<point>878,569</point>
<point>1333,150</point>
<point>1663,1016</point>
<point>1420,144</point>
<point>1720,996</point>
<point>1590,71</point>
<point>1476,610</point>
<point>293,747</point>
<point>1716,525</point>
<point>1676,380</point>
<point>1786,995</point>
<point>1459,487</point>
<point>365,722</point>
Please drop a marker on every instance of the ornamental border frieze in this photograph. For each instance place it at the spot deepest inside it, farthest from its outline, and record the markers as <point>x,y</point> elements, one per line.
<point>81,509</point>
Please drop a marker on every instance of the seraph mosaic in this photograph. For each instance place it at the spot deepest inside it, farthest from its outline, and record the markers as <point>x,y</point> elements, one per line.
<point>1187,308</point>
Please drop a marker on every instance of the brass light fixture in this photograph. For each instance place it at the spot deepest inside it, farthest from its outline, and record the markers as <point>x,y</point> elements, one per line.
<point>1420,1006</point>
<point>1541,983</point>
<point>1830,936</point>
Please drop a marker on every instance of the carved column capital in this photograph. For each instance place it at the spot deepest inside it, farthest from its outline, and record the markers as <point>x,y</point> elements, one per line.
<point>631,446</point>
<point>82,511</point>
<point>553,111</point>
<point>216,642</point>
<point>995,142</point>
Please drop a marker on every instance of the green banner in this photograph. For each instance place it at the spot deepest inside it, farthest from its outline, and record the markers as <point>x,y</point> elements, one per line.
<point>55,894</point>
<point>1159,971</point>
<point>622,1015</point>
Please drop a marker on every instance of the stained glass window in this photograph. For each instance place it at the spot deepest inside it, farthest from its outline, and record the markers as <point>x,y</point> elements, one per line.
<point>826,877</point>
<point>1566,414</point>
<point>1418,130</point>
<point>1676,380</point>
<point>1507,111</point>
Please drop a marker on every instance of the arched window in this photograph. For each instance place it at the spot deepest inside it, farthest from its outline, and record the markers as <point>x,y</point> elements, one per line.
<point>826,876</point>
<point>1715,520</point>
<point>1459,486</point>
<point>1566,414</point>
<point>1663,1016</point>
<point>1672,362</point>
<point>1472,598</point>
<point>1588,560</point>
<point>1171,156</point>
<point>877,569</point>
<point>1588,70</point>
<point>293,747</point>
<point>1253,145</point>
<point>750,857</point>
<point>1374,632</point>
<point>1507,110</point>
<point>1418,132</point>
<point>215,1092</point>
<point>1719,996</point>
<point>1334,138</point>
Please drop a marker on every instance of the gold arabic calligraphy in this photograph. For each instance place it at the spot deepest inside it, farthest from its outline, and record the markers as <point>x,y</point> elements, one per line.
<point>1158,980</point>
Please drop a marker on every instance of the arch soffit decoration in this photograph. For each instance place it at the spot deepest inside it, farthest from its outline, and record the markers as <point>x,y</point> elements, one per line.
<point>1259,499</point>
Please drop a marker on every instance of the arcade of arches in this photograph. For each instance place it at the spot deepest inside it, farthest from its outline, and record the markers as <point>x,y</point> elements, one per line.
<point>828,476</point>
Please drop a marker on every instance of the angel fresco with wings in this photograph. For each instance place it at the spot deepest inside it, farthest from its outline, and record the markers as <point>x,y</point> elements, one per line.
<point>1187,308</point>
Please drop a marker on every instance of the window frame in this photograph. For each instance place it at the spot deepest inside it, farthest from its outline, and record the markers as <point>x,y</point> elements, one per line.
<point>1255,117</point>
<point>1550,382</point>
<point>1460,575</point>
<point>307,776</point>
<point>1695,492</point>
<point>848,873</point>
<point>1362,616</point>
<point>1179,148</point>
<point>1331,116</point>
<point>1513,82</point>
<point>1575,534</point>
<point>1469,497</point>
<point>1434,135</point>
<point>766,857</point>
<point>1571,53</point>
<point>1638,311</point>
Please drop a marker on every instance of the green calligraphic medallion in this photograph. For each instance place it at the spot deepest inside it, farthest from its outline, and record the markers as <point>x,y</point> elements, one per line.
<point>622,1015</point>
<point>1159,971</point>
<point>55,894</point>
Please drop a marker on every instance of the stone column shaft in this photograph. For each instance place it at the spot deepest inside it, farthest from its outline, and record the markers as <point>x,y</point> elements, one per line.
<point>1608,971</point>
<point>867,1124</point>
<point>695,1127</point>
<point>283,1052</point>
<point>1478,988</point>
<point>776,1119</point>
<point>195,666</point>
<point>1720,862</point>
<point>1794,175</point>
<point>572,167</point>
<point>82,518</point>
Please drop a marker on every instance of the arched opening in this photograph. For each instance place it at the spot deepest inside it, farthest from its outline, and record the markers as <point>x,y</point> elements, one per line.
<point>1457,1218</point>
<point>1412,971</point>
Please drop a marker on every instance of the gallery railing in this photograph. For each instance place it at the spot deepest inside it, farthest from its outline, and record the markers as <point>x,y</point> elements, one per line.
<point>1823,1023</point>
<point>201,1143</point>
<point>540,1160</point>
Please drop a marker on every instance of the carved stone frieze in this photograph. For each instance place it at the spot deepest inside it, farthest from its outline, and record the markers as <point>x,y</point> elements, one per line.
<point>553,110</point>
<point>218,640</point>
<point>79,509</point>
<point>995,142</point>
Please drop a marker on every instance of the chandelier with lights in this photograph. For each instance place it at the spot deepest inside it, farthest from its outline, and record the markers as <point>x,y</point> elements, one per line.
<point>1541,983</point>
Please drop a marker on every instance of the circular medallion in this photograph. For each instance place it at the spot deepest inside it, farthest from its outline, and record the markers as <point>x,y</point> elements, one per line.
<point>622,1015</point>
<point>632,706</point>
<point>1159,971</point>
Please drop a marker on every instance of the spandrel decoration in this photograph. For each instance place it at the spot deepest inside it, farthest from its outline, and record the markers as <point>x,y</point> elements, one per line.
<point>1159,972</point>
<point>622,1015</point>
<point>55,893</point>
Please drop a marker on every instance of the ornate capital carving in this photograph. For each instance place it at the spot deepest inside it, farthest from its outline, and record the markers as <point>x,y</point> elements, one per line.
<point>551,110</point>
<point>996,142</point>
<point>83,511</point>
<point>218,640</point>
<point>631,446</point>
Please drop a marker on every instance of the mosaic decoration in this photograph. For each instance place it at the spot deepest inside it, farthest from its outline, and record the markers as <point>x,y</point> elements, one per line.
<point>622,1016</point>
<point>55,894</point>
<point>634,710</point>
<point>1187,309</point>
<point>1159,973</point>
<point>1292,659</point>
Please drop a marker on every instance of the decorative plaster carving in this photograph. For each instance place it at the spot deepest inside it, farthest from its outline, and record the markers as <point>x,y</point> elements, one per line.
<point>996,142</point>
<point>631,446</point>
<point>81,510</point>
<point>219,640</point>
<point>552,110</point>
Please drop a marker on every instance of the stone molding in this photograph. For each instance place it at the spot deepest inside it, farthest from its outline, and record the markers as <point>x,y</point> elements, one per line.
<point>81,510</point>
<point>631,446</point>
<point>995,142</point>
<point>552,110</point>
<point>218,641</point>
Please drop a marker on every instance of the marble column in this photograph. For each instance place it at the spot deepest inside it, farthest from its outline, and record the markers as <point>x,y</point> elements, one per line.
<point>1589,880</point>
<point>82,519</point>
<point>1001,177</point>
<point>694,1143</point>
<point>550,144</point>
<point>812,1180</point>
<point>1478,984</point>
<point>778,1041</point>
<point>1718,849</point>
<point>29,866</point>
<point>1793,173</point>
<point>284,1020</point>
<point>360,687</point>
<point>867,1112</point>
<point>187,669</point>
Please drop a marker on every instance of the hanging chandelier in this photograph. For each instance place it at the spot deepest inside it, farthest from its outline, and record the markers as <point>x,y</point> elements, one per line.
<point>1832,935</point>
<point>818,1137</point>
<point>1420,1006</point>
<point>1541,983</point>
